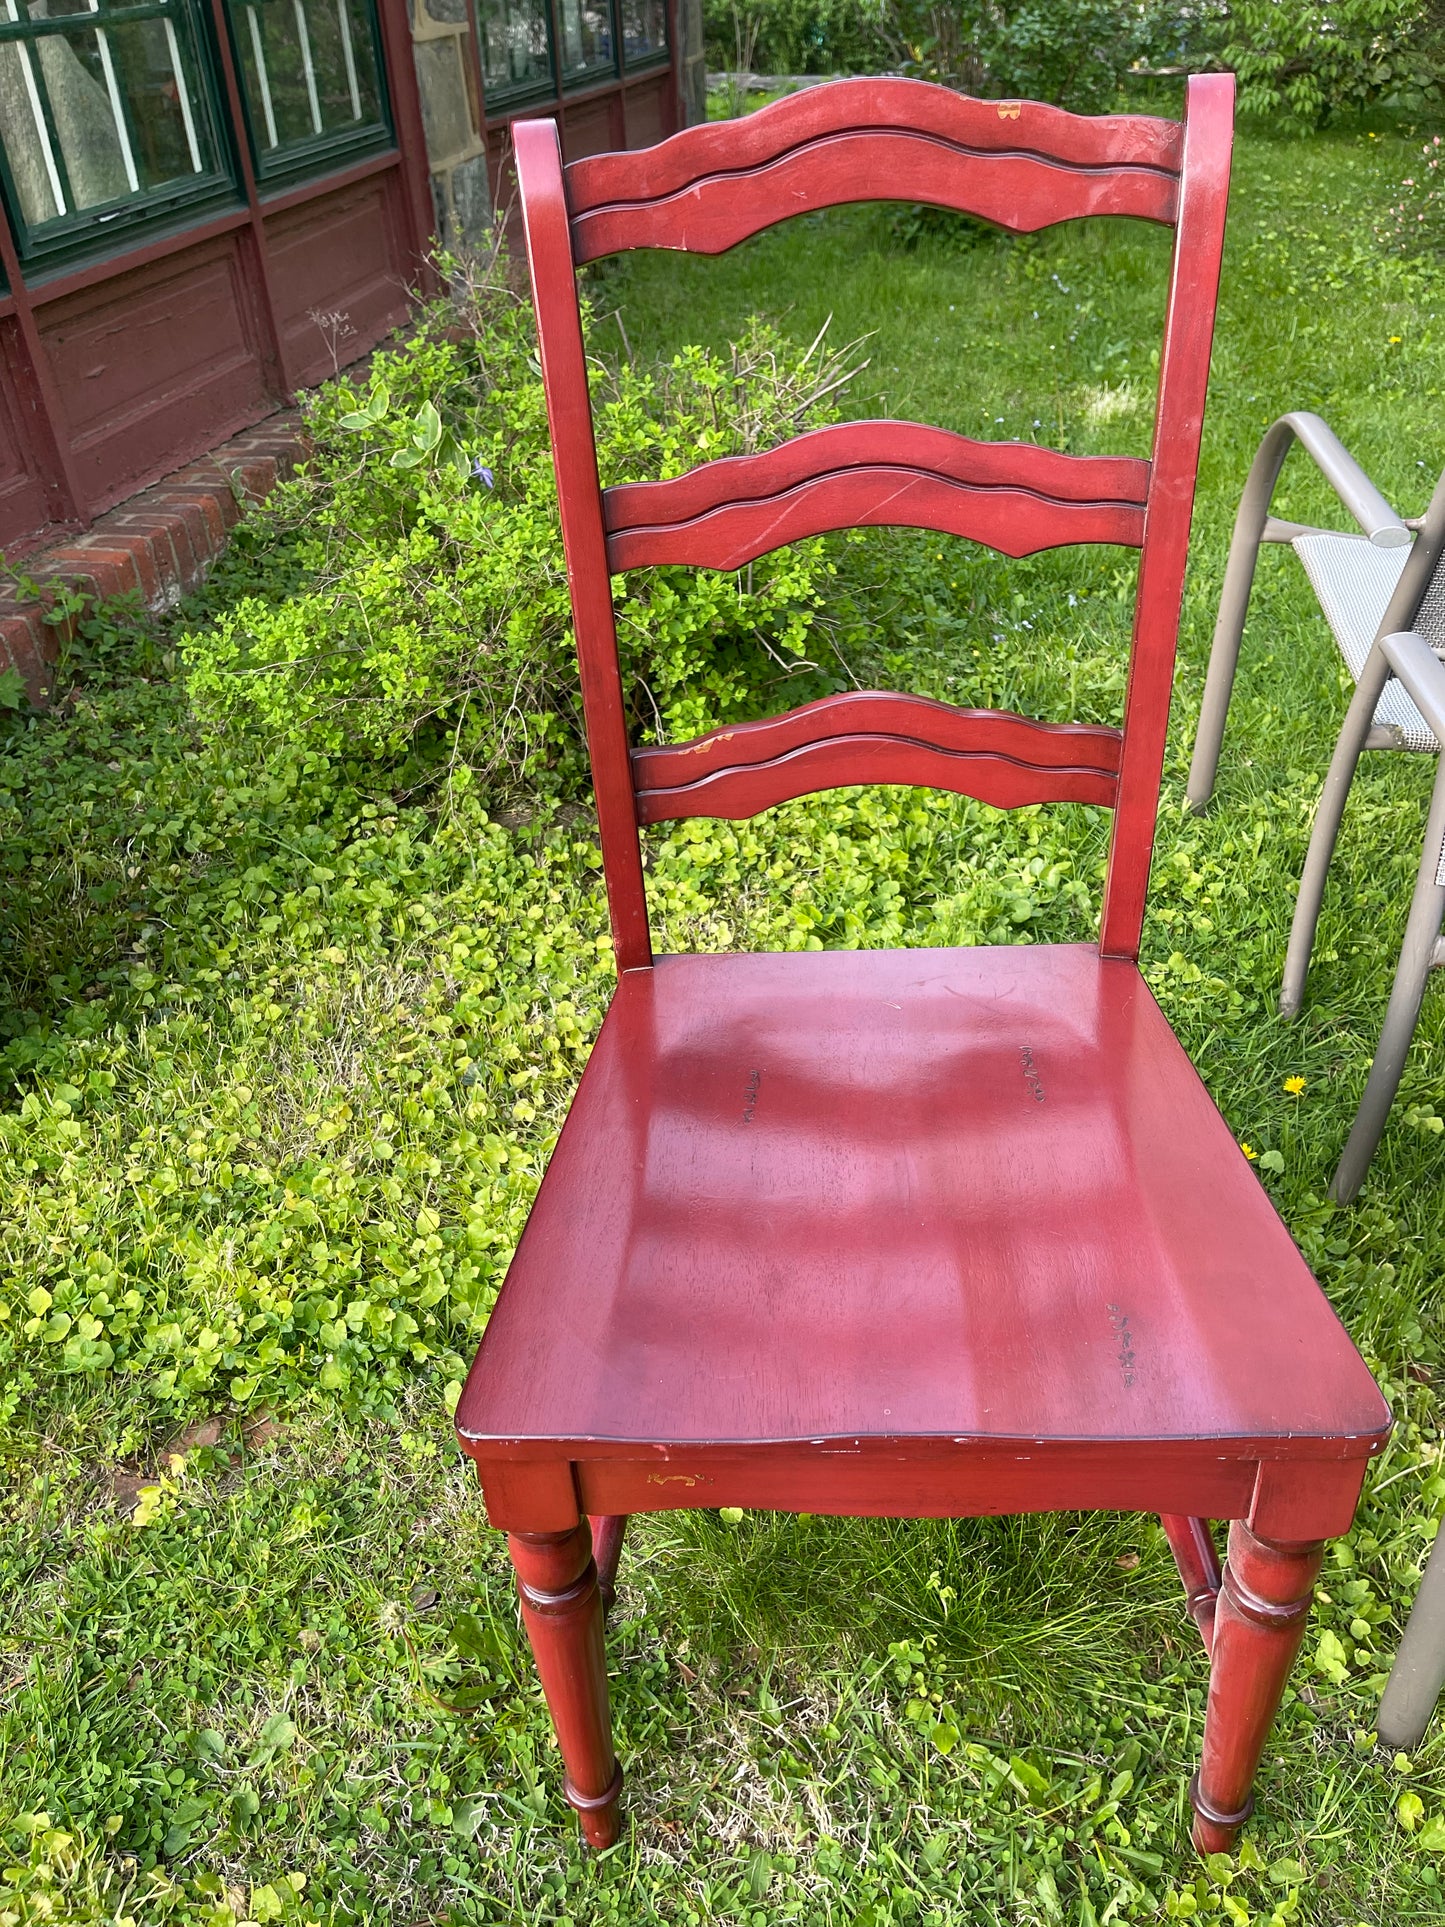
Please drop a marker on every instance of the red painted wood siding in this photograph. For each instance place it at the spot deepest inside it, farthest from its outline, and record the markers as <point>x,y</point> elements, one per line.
<point>118,371</point>
<point>154,366</point>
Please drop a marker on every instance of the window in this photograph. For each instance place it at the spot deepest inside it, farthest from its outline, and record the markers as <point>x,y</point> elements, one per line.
<point>644,31</point>
<point>107,119</point>
<point>516,48</point>
<point>311,79</point>
<point>588,51</point>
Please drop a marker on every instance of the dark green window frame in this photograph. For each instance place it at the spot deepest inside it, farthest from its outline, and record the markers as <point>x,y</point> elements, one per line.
<point>505,22</point>
<point>334,117</point>
<point>588,32</point>
<point>496,20</point>
<point>656,54</point>
<point>77,163</point>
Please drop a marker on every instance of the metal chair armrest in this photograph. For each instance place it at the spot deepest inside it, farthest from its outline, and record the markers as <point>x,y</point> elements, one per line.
<point>1254,524</point>
<point>1422,673</point>
<point>1356,491</point>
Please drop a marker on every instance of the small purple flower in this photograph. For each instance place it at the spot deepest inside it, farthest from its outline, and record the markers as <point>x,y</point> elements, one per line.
<point>484,474</point>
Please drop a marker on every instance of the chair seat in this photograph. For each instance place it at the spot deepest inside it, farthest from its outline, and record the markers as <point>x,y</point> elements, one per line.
<point>1354,582</point>
<point>976,1194</point>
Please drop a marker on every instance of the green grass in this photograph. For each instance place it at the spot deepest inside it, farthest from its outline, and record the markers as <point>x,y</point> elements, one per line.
<point>288,1057</point>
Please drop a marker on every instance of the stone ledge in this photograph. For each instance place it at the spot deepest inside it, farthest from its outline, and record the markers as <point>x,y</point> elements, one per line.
<point>160,542</point>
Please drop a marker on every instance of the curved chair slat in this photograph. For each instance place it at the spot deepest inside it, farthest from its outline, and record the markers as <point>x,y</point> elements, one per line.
<point>1018,191</point>
<point>842,761</point>
<point>985,126</point>
<point>917,719</point>
<point>1013,520</point>
<point>894,444</point>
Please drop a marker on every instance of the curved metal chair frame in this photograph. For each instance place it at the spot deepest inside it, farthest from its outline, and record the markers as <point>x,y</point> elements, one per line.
<point>1419,1669</point>
<point>1373,589</point>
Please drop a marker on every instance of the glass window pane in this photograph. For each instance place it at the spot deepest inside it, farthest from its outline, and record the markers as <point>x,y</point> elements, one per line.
<point>85,114</point>
<point>308,68</point>
<point>54,9</point>
<point>166,127</point>
<point>515,53</point>
<point>24,128</point>
<point>100,115</point>
<point>586,28</point>
<point>644,30</point>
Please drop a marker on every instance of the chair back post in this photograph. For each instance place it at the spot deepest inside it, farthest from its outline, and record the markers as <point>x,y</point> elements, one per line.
<point>1402,611</point>
<point>569,416</point>
<point>1178,424</point>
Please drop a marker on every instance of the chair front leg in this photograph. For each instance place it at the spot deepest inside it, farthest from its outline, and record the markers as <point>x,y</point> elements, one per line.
<point>1417,954</point>
<point>562,1611</point>
<point>1359,495</point>
<point>1259,1621</point>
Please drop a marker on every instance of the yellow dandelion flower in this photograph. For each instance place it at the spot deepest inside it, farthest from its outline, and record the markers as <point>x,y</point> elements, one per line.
<point>1294,1085</point>
<point>1249,1151</point>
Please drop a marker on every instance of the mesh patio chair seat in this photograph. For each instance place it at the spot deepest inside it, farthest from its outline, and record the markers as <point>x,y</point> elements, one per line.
<point>1353,581</point>
<point>1382,591</point>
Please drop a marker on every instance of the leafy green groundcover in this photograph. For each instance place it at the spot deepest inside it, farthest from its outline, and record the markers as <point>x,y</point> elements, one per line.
<point>292,1032</point>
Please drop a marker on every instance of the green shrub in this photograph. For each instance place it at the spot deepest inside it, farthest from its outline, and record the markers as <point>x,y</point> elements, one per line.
<point>1306,60</point>
<point>1414,223</point>
<point>415,597</point>
<point>793,36</point>
<point>1074,51</point>
<point>1300,61</point>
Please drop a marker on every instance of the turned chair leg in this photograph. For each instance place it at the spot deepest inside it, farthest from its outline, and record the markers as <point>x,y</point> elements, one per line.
<point>1259,1621</point>
<point>1192,1544</point>
<point>562,1611</point>
<point>607,1534</point>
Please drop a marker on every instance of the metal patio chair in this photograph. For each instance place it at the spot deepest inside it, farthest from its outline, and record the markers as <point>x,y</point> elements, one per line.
<point>1373,587</point>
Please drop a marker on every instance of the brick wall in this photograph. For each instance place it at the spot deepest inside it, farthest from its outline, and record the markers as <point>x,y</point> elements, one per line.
<point>160,542</point>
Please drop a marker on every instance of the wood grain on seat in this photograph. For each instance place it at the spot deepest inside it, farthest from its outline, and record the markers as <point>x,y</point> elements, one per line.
<point>977,1194</point>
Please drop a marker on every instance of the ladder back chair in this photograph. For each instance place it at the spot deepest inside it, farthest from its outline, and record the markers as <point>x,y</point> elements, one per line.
<point>949,1232</point>
<point>1382,591</point>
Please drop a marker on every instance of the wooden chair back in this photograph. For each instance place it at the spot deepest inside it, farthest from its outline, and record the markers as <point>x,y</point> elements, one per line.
<point>1023,166</point>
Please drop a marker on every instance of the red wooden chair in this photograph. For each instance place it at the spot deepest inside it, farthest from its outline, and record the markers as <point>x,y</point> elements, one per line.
<point>906,1233</point>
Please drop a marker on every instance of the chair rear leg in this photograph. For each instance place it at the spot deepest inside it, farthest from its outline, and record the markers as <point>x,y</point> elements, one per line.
<point>607,1534</point>
<point>1192,1544</point>
<point>1325,833</point>
<point>562,1611</point>
<point>1417,953</point>
<point>1419,1669</point>
<point>1264,1601</point>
